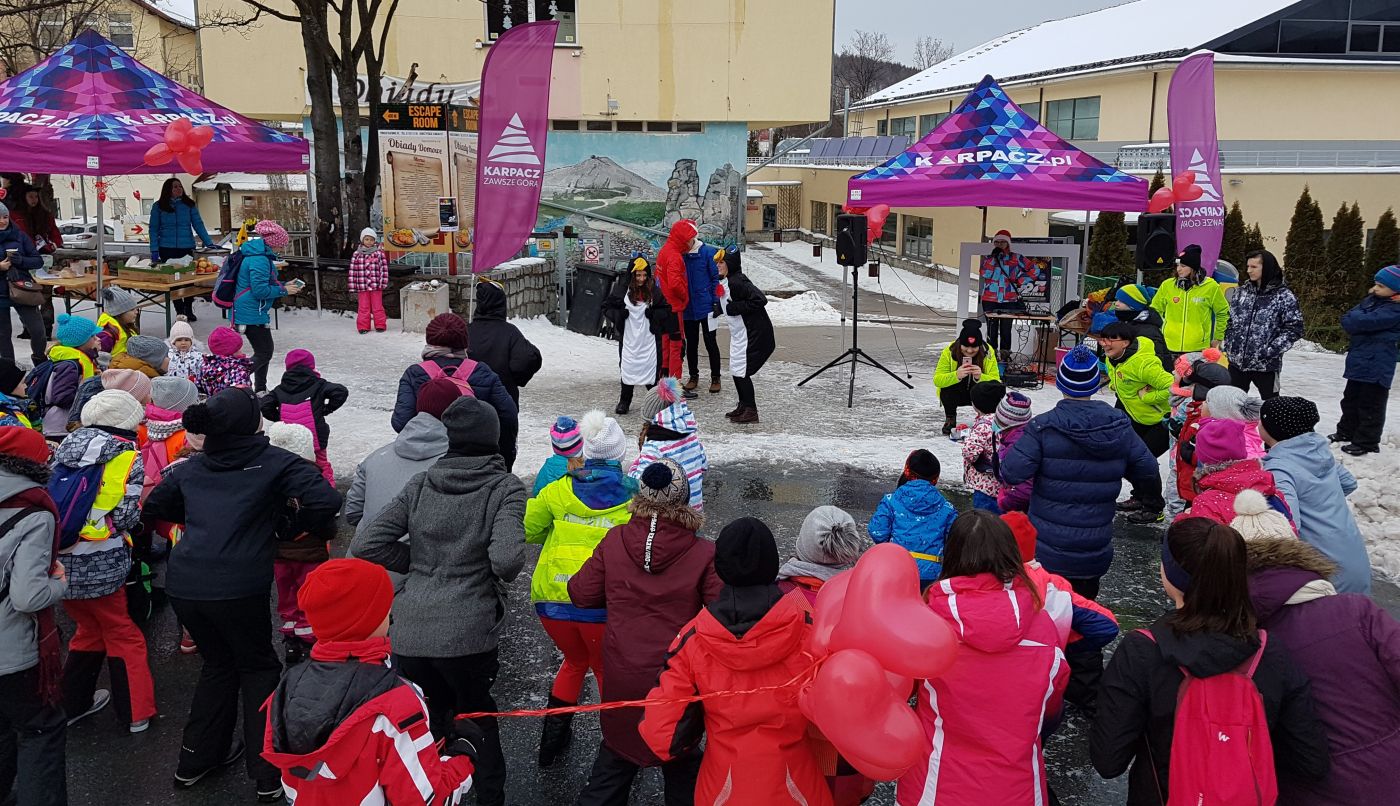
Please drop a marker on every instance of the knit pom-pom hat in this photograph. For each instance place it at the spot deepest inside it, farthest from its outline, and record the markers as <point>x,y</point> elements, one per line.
<point>272,234</point>
<point>1254,518</point>
<point>565,438</point>
<point>661,397</point>
<point>602,437</point>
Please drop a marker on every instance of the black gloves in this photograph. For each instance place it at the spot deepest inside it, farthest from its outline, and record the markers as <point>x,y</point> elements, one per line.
<point>465,740</point>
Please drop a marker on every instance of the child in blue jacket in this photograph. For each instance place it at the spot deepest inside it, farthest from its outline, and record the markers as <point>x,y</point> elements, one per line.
<point>916,516</point>
<point>1374,327</point>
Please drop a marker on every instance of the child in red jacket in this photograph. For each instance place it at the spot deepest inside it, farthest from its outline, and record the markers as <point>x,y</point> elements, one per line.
<point>345,728</point>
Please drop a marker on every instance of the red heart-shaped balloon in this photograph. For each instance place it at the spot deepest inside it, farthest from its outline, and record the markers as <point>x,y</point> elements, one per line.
<point>884,615</point>
<point>176,140</point>
<point>826,612</point>
<point>854,708</point>
<point>201,136</point>
<point>190,162</point>
<point>1183,180</point>
<point>1189,193</point>
<point>1161,200</point>
<point>157,155</point>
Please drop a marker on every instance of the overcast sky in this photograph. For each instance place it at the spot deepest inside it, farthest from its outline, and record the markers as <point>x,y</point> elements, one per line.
<point>961,24</point>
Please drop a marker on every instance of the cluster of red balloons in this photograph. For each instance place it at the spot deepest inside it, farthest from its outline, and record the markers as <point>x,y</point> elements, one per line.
<point>874,220</point>
<point>1183,189</point>
<point>183,143</point>
<point>877,636</point>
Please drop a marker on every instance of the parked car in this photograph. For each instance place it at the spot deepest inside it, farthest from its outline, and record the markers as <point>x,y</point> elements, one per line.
<point>79,234</point>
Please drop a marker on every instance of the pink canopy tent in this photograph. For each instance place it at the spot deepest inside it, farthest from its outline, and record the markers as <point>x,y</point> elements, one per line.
<point>91,109</point>
<point>988,153</point>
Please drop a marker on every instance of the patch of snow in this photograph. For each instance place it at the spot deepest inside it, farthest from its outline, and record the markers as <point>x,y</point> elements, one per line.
<point>807,308</point>
<point>1305,346</point>
<point>768,279</point>
<point>894,282</point>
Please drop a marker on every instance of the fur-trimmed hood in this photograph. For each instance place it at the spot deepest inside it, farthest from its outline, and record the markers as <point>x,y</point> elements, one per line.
<point>682,515</point>
<point>1284,572</point>
<point>1281,552</point>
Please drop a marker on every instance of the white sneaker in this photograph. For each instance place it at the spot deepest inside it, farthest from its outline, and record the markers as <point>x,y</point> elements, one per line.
<point>140,727</point>
<point>100,699</point>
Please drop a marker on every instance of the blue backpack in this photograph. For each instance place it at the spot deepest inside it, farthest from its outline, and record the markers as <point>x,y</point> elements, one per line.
<point>74,491</point>
<point>37,385</point>
<point>226,285</point>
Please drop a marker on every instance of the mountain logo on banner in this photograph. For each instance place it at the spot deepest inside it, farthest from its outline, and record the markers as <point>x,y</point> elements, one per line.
<point>1208,190</point>
<point>514,146</point>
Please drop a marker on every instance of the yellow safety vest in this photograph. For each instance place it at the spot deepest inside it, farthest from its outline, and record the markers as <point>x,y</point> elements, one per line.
<point>103,321</point>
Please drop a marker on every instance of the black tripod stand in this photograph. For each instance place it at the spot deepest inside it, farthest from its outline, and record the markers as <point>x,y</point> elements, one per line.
<point>855,355</point>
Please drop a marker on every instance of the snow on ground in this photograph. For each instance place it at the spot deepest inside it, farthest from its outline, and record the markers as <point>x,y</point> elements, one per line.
<point>766,278</point>
<point>1305,346</point>
<point>807,308</point>
<point>898,283</point>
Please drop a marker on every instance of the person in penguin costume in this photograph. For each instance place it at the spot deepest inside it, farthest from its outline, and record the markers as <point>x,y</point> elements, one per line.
<point>751,337</point>
<point>641,315</point>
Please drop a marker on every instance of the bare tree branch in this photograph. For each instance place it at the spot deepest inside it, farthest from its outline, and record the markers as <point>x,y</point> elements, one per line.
<point>929,51</point>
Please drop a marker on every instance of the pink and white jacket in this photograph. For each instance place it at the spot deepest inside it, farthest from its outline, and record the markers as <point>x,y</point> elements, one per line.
<point>981,749</point>
<point>369,271</point>
<point>978,448</point>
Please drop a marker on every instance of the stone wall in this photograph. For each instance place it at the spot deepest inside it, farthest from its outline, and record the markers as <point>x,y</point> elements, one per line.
<point>530,283</point>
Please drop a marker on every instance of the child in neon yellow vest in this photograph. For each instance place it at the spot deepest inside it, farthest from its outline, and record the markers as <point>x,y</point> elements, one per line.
<point>119,319</point>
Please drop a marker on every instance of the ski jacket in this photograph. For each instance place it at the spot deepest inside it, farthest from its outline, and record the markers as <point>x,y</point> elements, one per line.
<point>1315,486</point>
<point>1216,491</point>
<point>99,562</point>
<point>1002,276</point>
<point>916,517</point>
<point>176,229</point>
<point>500,345</point>
<point>946,373</point>
<point>982,749</point>
<point>569,518</point>
<point>305,398</point>
<point>1267,322</point>
<point>1083,624</point>
<point>369,271</point>
<point>486,386</point>
<point>258,288</point>
<point>757,748</point>
<point>978,447</point>
<point>1147,324</point>
<point>1374,327</point>
<point>1194,317</point>
<point>1139,370</point>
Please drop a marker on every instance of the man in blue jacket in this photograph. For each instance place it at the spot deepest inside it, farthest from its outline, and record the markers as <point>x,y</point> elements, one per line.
<point>1077,455</point>
<point>702,276</point>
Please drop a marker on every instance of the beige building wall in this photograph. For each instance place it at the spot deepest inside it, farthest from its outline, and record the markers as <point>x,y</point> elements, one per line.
<point>700,60</point>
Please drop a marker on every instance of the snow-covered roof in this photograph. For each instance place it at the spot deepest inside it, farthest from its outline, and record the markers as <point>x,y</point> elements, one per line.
<point>180,12</point>
<point>1123,34</point>
<point>252,182</point>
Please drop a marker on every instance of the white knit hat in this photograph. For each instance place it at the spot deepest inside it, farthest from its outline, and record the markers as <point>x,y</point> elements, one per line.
<point>1233,403</point>
<point>181,330</point>
<point>1254,518</point>
<point>602,437</point>
<point>829,536</point>
<point>292,437</point>
<point>113,408</point>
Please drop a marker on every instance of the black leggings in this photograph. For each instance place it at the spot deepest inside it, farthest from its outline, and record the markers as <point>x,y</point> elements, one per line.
<point>33,324</point>
<point>693,329</point>
<point>260,337</point>
<point>744,386</point>
<point>1266,382</point>
<point>959,394</point>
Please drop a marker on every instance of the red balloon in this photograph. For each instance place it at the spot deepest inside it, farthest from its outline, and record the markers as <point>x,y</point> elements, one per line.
<point>1189,193</point>
<point>190,162</point>
<point>885,615</point>
<point>827,612</point>
<point>1183,180</point>
<point>875,221</point>
<point>176,141</point>
<point>854,708</point>
<point>158,154</point>
<point>136,194</point>
<point>1161,200</point>
<point>201,136</point>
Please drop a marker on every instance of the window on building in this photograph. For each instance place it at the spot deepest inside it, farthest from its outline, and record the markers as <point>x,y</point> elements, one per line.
<point>918,238</point>
<point>660,126</point>
<point>904,126</point>
<point>564,125</point>
<point>1312,36</point>
<point>889,236</point>
<point>928,123</point>
<point>79,208</point>
<point>690,128</point>
<point>120,30</point>
<point>51,28</point>
<point>882,127</point>
<point>629,125</point>
<point>819,217</point>
<point>1074,118</point>
<point>503,15</point>
<point>146,205</point>
<point>1032,109</point>
<point>1392,39</point>
<point>1326,27</point>
<point>118,208</point>
<point>599,125</point>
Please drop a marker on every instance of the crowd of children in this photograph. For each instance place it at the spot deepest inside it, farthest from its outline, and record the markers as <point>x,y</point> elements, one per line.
<point>1263,563</point>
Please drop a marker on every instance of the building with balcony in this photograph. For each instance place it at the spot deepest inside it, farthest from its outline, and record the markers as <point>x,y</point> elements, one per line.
<point>1305,95</point>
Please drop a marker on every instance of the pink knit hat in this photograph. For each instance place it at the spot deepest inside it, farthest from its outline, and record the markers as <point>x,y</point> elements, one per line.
<point>1221,441</point>
<point>272,234</point>
<point>301,358</point>
<point>225,341</point>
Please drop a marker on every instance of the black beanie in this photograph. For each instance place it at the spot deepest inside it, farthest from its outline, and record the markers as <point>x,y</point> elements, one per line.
<point>1191,256</point>
<point>987,395</point>
<point>921,464</point>
<point>10,375</point>
<point>1288,417</point>
<point>746,554</point>
<point>971,334</point>
<point>473,428</point>
<point>234,411</point>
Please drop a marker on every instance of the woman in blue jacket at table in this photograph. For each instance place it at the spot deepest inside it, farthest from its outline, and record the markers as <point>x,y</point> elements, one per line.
<point>174,222</point>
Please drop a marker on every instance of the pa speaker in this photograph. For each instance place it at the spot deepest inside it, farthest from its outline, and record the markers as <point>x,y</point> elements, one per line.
<point>851,232</point>
<point>1156,241</point>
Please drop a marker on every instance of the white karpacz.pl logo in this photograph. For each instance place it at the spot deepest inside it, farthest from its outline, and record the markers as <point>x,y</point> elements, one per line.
<point>513,146</point>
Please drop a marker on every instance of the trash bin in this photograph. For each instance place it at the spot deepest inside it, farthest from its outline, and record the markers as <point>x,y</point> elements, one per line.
<point>419,302</point>
<point>591,287</point>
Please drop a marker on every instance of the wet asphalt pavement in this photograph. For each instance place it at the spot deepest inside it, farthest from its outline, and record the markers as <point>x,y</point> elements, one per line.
<point>107,765</point>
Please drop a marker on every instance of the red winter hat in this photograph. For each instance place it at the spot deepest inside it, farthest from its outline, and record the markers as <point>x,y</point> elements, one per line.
<point>436,395</point>
<point>346,599</point>
<point>1002,233</point>
<point>448,330</point>
<point>1024,532</point>
<point>26,443</point>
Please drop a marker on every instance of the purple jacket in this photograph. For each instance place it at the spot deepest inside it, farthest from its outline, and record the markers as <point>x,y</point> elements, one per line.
<point>1350,649</point>
<point>1016,497</point>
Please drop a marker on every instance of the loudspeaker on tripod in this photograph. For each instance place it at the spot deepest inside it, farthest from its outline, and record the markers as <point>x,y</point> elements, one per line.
<point>851,245</point>
<point>1156,241</point>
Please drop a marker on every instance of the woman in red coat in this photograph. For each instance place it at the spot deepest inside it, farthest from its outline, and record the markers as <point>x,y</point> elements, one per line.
<point>758,749</point>
<point>653,574</point>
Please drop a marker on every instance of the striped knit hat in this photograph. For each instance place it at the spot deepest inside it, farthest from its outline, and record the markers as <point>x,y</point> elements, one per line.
<point>1136,296</point>
<point>566,437</point>
<point>1079,373</point>
<point>1014,410</point>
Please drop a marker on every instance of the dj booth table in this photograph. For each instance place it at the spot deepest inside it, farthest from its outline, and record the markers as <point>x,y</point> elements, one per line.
<point>1039,332</point>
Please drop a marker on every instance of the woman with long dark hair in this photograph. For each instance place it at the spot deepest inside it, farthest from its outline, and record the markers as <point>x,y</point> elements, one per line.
<point>966,361</point>
<point>1265,322</point>
<point>174,221</point>
<point>636,308</point>
<point>981,749</point>
<point>1212,631</point>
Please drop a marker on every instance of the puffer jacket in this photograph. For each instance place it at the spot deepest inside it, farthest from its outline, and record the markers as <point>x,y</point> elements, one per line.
<point>258,288</point>
<point>369,270</point>
<point>1267,322</point>
<point>978,447</point>
<point>702,278</point>
<point>653,575</point>
<point>1013,497</point>
<point>1147,324</point>
<point>1217,487</point>
<point>1192,318</point>
<point>348,731</point>
<point>1350,649</point>
<point>674,435</point>
<point>981,749</point>
<point>305,398</point>
<point>175,229</point>
<point>1374,327</point>
<point>916,517</point>
<point>466,541</point>
<point>1077,455</point>
<point>757,748</point>
<point>1139,369</point>
<point>486,386</point>
<point>500,345</point>
<point>24,261</point>
<point>569,518</point>
<point>1139,693</point>
<point>26,554</point>
<point>99,562</point>
<point>671,273</point>
<point>1315,486</point>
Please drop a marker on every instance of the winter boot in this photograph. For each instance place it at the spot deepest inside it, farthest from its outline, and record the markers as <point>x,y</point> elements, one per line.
<point>714,386</point>
<point>691,383</point>
<point>1338,437</point>
<point>949,424</point>
<point>1128,505</point>
<point>1357,450</point>
<point>558,732</point>
<point>621,408</point>
<point>739,409</point>
<point>747,416</point>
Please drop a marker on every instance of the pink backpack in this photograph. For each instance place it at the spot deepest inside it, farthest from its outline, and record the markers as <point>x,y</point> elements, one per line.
<point>1221,751</point>
<point>459,375</point>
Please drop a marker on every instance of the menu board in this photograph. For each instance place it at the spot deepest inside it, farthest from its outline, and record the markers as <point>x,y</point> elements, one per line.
<point>464,154</point>
<point>426,157</point>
